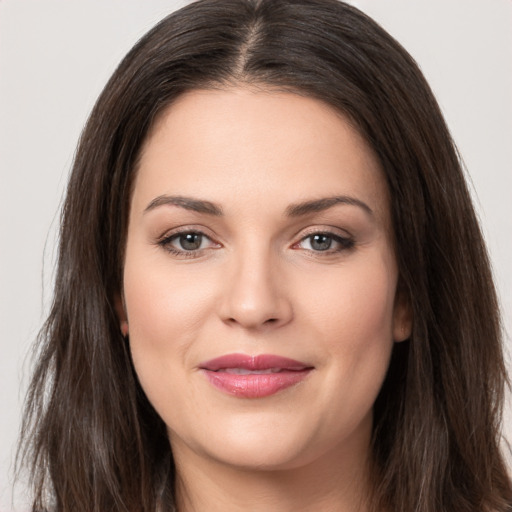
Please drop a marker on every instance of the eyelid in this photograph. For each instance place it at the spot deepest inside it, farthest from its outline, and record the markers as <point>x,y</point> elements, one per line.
<point>186,228</point>
<point>323,230</point>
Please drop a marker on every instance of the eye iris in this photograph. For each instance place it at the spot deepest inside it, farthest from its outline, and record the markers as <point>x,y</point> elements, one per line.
<point>321,242</point>
<point>191,241</point>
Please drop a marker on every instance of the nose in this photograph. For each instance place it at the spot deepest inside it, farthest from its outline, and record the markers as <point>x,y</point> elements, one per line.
<point>255,295</point>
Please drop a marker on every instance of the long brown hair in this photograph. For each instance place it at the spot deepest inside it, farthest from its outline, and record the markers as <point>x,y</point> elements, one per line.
<point>92,440</point>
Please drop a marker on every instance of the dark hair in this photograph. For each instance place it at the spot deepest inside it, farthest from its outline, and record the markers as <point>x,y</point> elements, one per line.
<point>91,437</point>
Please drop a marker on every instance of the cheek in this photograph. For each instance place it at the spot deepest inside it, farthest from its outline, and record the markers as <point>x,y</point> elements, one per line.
<point>353,318</point>
<point>355,303</point>
<point>165,309</point>
<point>162,303</point>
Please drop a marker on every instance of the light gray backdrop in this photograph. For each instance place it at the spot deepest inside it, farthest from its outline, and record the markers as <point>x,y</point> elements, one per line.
<point>55,57</point>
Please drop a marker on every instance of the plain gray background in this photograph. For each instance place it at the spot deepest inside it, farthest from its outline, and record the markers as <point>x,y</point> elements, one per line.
<point>55,57</point>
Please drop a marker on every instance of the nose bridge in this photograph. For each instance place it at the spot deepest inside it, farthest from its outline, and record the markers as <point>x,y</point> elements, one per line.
<point>255,295</point>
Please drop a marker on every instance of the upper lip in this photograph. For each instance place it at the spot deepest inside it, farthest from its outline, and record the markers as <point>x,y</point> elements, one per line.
<point>255,362</point>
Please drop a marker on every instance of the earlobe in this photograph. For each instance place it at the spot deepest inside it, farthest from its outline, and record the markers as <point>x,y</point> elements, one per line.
<point>124,328</point>
<point>121,315</point>
<point>402,317</point>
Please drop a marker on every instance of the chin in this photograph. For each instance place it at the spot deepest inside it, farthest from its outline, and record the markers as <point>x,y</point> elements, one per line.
<point>259,453</point>
<point>275,443</point>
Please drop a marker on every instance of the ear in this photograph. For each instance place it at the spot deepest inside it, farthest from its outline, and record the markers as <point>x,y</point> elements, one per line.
<point>402,315</point>
<point>121,314</point>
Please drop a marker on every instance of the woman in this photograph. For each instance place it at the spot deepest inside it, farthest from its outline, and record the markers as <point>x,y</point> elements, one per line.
<point>272,291</point>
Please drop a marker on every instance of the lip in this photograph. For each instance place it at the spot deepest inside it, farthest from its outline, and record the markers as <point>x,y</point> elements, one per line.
<point>230,374</point>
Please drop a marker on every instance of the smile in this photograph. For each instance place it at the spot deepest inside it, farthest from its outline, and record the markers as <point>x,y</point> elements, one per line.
<point>259,376</point>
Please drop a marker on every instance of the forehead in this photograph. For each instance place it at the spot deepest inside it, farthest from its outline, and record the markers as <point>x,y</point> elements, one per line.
<point>258,147</point>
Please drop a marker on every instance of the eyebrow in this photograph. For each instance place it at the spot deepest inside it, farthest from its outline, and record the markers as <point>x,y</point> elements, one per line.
<point>188,203</point>
<point>319,205</point>
<point>294,210</point>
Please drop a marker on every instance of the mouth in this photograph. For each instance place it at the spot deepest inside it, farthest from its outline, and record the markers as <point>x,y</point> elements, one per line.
<point>258,376</point>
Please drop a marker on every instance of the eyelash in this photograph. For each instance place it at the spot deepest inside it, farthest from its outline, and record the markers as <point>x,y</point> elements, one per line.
<point>345,243</point>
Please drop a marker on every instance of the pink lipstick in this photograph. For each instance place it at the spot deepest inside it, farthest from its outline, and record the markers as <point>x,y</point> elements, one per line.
<point>258,376</point>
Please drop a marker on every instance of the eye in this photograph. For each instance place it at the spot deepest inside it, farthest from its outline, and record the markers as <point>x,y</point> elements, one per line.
<point>325,242</point>
<point>187,243</point>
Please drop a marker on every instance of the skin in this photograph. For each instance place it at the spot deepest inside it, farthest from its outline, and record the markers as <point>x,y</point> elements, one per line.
<point>259,285</point>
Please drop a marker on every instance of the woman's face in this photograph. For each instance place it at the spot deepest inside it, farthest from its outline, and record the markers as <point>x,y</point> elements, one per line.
<point>260,279</point>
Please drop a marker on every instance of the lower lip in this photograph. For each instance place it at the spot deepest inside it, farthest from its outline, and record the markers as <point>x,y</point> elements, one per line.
<point>255,385</point>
